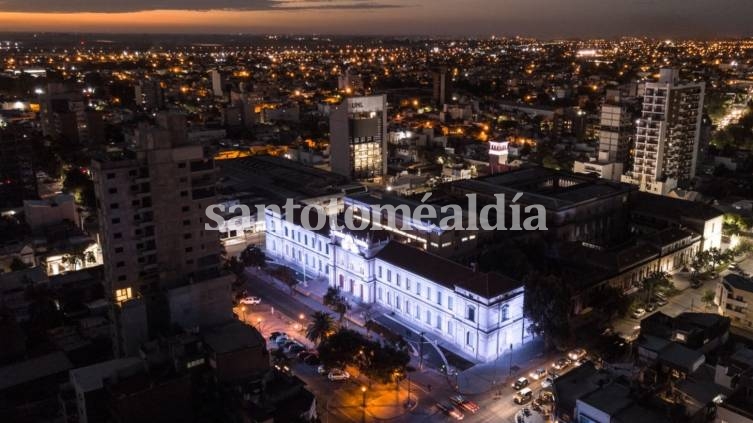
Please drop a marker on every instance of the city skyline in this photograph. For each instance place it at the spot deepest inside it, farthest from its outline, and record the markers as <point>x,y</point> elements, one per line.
<point>538,18</point>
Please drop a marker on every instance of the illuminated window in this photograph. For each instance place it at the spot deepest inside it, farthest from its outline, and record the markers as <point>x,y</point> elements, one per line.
<point>123,294</point>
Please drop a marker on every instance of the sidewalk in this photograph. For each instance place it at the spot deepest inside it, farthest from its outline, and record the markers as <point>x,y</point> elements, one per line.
<point>485,377</point>
<point>310,298</point>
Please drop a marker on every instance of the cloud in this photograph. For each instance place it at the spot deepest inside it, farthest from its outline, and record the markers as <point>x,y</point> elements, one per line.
<point>124,6</point>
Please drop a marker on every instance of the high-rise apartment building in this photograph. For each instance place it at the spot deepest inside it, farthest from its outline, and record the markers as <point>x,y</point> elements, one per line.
<point>358,141</point>
<point>439,86</point>
<point>667,134</point>
<point>152,200</point>
<point>17,178</point>
<point>615,129</point>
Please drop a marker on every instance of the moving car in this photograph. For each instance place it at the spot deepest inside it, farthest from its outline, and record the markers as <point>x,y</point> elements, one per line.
<point>451,411</point>
<point>523,396</point>
<point>638,313</point>
<point>547,382</point>
<point>561,363</point>
<point>250,300</point>
<point>338,374</point>
<point>537,374</point>
<point>464,403</point>
<point>520,384</point>
<point>576,354</point>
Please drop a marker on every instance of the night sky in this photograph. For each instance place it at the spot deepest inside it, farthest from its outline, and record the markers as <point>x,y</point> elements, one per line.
<point>539,18</point>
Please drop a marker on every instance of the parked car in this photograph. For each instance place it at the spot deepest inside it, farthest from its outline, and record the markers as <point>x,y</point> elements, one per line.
<point>451,411</point>
<point>322,370</point>
<point>547,382</point>
<point>312,360</point>
<point>250,300</point>
<point>576,354</point>
<point>281,340</point>
<point>520,384</point>
<point>274,335</point>
<point>338,374</point>
<point>537,374</point>
<point>650,307</point>
<point>638,313</point>
<point>464,403</point>
<point>561,363</point>
<point>661,302</point>
<point>294,348</point>
<point>303,354</point>
<point>523,396</point>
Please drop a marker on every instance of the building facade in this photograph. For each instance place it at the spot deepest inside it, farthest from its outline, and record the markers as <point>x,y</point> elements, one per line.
<point>478,314</point>
<point>667,134</point>
<point>152,201</point>
<point>734,296</point>
<point>358,140</point>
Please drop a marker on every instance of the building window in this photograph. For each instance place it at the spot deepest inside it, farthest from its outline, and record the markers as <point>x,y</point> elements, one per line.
<point>194,363</point>
<point>418,288</point>
<point>379,293</point>
<point>428,293</point>
<point>389,275</point>
<point>397,280</point>
<point>110,176</point>
<point>449,302</point>
<point>417,314</point>
<point>438,322</point>
<point>112,190</point>
<point>114,206</point>
<point>469,339</point>
<point>428,317</point>
<point>470,313</point>
<point>505,312</point>
<point>407,284</point>
<point>397,302</point>
<point>116,220</point>
<point>120,264</point>
<point>379,272</point>
<point>439,297</point>
<point>449,327</point>
<point>123,294</point>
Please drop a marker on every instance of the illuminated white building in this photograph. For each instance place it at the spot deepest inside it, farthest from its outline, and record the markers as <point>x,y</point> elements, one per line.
<point>479,314</point>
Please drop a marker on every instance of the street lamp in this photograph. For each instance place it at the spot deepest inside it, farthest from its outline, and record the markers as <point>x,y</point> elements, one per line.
<point>243,309</point>
<point>363,400</point>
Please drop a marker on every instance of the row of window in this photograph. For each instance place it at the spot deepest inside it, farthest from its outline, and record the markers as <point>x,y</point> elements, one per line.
<point>405,306</point>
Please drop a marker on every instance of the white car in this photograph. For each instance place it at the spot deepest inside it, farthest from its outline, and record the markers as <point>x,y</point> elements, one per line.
<point>638,313</point>
<point>547,382</point>
<point>576,354</point>
<point>250,300</point>
<point>537,374</point>
<point>337,374</point>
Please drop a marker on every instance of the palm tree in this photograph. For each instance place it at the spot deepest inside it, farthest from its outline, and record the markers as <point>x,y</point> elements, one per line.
<point>708,298</point>
<point>320,327</point>
<point>658,278</point>
<point>336,302</point>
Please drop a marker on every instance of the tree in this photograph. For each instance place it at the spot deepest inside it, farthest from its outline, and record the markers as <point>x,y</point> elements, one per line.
<point>547,305</point>
<point>611,301</point>
<point>18,264</point>
<point>286,275</point>
<point>734,224</point>
<point>253,257</point>
<point>701,262</point>
<point>708,298</point>
<point>79,255</point>
<point>336,302</point>
<point>653,281</point>
<point>320,327</point>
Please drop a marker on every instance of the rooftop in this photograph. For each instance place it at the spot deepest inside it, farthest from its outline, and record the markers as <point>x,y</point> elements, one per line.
<point>33,369</point>
<point>232,336</point>
<point>738,282</point>
<point>673,208</point>
<point>446,272</point>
